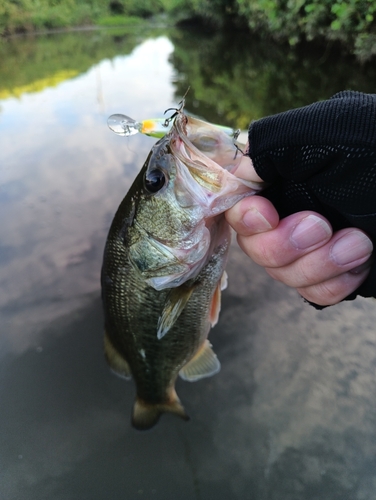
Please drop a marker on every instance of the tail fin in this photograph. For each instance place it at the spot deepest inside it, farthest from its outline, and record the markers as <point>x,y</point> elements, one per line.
<point>146,415</point>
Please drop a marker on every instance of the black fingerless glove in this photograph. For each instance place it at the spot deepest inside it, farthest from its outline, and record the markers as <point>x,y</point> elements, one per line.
<point>322,157</point>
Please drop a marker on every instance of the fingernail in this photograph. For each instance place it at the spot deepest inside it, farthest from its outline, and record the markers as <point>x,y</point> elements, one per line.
<point>255,220</point>
<point>310,231</point>
<point>350,248</point>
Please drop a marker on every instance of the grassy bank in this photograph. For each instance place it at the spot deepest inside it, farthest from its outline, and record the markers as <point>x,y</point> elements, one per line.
<point>34,15</point>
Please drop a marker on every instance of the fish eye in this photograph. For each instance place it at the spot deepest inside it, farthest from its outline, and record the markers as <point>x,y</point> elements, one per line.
<point>155,180</point>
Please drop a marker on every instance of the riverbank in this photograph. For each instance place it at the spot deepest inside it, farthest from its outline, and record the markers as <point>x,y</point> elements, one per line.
<point>349,23</point>
<point>26,16</point>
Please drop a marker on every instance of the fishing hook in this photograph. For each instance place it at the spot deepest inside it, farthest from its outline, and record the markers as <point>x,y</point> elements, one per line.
<point>177,110</point>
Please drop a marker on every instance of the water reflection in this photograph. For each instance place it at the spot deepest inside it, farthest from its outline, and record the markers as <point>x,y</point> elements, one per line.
<point>242,79</point>
<point>63,175</point>
<point>292,413</point>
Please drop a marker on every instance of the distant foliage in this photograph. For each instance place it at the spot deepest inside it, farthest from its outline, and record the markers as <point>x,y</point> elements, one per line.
<point>28,15</point>
<point>350,21</point>
<point>138,8</point>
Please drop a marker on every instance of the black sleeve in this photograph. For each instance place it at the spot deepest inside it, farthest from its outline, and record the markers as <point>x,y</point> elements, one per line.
<point>322,157</point>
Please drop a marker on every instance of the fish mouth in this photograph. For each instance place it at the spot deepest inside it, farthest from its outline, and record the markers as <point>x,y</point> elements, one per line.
<point>202,182</point>
<point>205,172</point>
<point>211,173</point>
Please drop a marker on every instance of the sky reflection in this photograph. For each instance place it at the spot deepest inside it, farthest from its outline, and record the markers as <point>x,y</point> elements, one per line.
<point>63,174</point>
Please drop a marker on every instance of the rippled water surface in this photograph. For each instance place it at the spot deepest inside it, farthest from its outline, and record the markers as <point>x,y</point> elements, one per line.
<point>291,415</point>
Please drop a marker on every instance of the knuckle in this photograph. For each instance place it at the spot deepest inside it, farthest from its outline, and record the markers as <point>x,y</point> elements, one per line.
<point>266,255</point>
<point>275,274</point>
<point>295,275</point>
<point>329,291</point>
<point>326,293</point>
<point>304,274</point>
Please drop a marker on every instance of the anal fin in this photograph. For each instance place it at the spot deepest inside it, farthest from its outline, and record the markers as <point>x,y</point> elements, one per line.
<point>204,364</point>
<point>117,363</point>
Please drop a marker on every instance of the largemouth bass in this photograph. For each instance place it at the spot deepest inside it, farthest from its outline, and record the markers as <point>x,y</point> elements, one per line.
<point>163,267</point>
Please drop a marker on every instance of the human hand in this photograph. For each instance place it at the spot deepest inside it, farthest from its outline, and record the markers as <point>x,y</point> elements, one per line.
<point>301,249</point>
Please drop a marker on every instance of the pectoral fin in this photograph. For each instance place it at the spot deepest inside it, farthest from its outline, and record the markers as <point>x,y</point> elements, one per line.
<point>215,305</point>
<point>117,363</point>
<point>175,303</point>
<point>224,281</point>
<point>204,364</point>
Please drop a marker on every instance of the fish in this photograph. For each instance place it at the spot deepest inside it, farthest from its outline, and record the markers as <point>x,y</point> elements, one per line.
<point>164,264</point>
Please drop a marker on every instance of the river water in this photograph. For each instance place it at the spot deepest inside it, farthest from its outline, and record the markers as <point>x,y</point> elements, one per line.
<point>291,415</point>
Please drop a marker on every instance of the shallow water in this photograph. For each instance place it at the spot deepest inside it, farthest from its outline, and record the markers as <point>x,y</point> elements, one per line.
<point>291,415</point>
